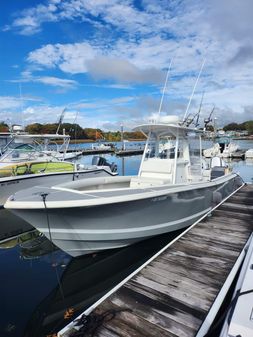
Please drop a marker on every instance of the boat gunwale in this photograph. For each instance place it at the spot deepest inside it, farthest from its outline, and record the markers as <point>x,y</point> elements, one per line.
<point>141,194</point>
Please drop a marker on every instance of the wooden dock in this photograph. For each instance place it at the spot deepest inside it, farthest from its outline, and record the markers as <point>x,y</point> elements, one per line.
<point>86,152</point>
<point>173,293</point>
<point>128,152</point>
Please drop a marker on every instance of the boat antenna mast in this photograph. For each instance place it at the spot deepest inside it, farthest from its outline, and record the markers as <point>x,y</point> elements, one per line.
<point>164,88</point>
<point>60,120</point>
<point>186,115</point>
<point>22,106</point>
<point>74,127</point>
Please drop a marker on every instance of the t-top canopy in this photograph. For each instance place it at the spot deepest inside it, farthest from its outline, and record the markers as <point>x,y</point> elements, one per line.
<point>166,126</point>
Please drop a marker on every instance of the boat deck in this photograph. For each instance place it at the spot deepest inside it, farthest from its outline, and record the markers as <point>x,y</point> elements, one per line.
<point>172,295</point>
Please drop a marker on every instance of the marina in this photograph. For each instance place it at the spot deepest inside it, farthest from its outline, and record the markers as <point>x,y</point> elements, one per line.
<point>25,265</point>
<point>90,215</point>
<point>239,154</point>
<point>175,293</point>
<point>126,169</point>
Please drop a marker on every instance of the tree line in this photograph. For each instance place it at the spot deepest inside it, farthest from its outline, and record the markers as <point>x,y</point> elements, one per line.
<point>77,132</point>
<point>246,126</point>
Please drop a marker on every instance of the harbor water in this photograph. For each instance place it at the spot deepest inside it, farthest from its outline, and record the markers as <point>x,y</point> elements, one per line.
<point>43,288</point>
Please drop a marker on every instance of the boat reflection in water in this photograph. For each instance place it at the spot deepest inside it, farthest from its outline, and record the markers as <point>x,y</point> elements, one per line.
<point>59,288</point>
<point>11,225</point>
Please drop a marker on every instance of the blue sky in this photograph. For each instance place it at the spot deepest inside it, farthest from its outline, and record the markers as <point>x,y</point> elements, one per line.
<point>105,61</point>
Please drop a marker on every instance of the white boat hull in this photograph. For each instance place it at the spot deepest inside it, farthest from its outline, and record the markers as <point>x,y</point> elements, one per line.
<point>249,154</point>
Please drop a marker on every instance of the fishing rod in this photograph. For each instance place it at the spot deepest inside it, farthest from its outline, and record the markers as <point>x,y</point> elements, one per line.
<point>197,114</point>
<point>60,120</point>
<point>208,120</point>
<point>200,106</point>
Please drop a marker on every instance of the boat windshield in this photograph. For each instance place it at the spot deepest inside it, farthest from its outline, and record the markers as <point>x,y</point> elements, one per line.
<point>195,154</point>
<point>24,152</point>
<point>176,159</point>
<point>162,147</point>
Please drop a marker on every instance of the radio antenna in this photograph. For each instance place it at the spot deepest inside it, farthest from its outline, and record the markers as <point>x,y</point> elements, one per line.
<point>164,88</point>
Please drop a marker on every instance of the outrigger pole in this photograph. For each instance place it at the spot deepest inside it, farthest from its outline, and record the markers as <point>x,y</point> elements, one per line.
<point>60,120</point>
<point>193,91</point>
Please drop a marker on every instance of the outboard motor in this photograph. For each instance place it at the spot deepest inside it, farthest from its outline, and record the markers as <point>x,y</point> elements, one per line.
<point>98,161</point>
<point>222,147</point>
<point>113,167</point>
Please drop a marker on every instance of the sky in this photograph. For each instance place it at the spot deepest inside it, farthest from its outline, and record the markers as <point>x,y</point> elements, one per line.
<point>105,61</point>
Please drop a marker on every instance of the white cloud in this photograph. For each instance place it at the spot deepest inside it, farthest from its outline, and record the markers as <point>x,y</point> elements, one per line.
<point>133,44</point>
<point>11,108</point>
<point>8,102</point>
<point>41,114</point>
<point>47,80</point>
<point>70,58</point>
<point>82,58</point>
<point>57,82</point>
<point>29,21</point>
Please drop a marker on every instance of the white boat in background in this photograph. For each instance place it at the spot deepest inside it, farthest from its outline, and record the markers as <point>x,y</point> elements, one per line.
<point>16,157</point>
<point>231,312</point>
<point>23,145</point>
<point>169,193</point>
<point>101,147</point>
<point>212,151</point>
<point>239,320</point>
<point>25,158</point>
<point>223,147</point>
<point>21,176</point>
<point>5,138</point>
<point>249,154</point>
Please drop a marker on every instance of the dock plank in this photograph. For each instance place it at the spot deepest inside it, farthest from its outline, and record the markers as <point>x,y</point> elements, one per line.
<point>234,215</point>
<point>134,324</point>
<point>156,315</point>
<point>148,307</point>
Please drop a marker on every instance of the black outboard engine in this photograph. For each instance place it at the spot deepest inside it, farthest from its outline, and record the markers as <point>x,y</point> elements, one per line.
<point>100,161</point>
<point>113,167</point>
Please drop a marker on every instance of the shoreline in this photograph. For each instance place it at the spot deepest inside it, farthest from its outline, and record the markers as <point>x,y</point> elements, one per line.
<point>80,141</point>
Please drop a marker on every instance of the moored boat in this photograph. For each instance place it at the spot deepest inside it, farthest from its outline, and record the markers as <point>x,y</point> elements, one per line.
<point>170,192</point>
<point>20,176</point>
<point>249,154</point>
<point>239,321</point>
<point>22,146</point>
<point>223,147</point>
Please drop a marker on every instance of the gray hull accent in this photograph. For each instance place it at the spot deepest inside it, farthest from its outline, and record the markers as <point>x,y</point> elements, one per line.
<point>83,230</point>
